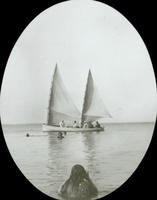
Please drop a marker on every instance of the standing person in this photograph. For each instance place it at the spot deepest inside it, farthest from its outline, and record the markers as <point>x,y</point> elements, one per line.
<point>79,185</point>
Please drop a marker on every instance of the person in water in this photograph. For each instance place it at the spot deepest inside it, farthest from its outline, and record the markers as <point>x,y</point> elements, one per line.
<point>27,135</point>
<point>79,185</point>
<point>60,135</point>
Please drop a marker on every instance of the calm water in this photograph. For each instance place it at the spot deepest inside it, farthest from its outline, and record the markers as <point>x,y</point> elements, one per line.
<point>110,156</point>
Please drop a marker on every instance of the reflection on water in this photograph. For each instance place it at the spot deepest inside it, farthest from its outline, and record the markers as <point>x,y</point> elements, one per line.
<point>110,156</point>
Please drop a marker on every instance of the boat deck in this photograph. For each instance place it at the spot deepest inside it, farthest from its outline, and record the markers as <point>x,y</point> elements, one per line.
<point>48,128</point>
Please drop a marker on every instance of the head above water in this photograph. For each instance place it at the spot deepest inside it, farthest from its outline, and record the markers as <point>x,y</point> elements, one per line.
<point>79,186</point>
<point>78,172</point>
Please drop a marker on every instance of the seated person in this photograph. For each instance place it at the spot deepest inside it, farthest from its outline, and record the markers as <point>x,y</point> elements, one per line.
<point>75,125</point>
<point>85,125</point>
<point>97,125</point>
<point>80,124</point>
<point>62,124</point>
<point>79,186</point>
<point>90,125</point>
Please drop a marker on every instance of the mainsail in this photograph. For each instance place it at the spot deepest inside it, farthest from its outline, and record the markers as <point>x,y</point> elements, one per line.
<point>60,106</point>
<point>93,106</point>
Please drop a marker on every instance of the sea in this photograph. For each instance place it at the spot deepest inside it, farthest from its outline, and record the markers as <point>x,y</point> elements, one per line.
<point>110,157</point>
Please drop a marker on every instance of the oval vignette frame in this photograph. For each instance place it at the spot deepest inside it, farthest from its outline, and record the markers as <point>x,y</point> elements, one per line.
<point>129,177</point>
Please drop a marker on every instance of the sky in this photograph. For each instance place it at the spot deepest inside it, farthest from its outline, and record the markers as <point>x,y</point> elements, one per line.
<point>78,35</point>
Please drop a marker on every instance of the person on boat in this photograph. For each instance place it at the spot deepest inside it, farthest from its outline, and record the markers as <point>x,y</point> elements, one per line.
<point>90,125</point>
<point>85,125</point>
<point>79,186</point>
<point>97,125</point>
<point>75,125</point>
<point>80,124</point>
<point>62,123</point>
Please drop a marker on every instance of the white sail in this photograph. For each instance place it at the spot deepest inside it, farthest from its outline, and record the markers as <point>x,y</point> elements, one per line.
<point>60,105</point>
<point>93,106</point>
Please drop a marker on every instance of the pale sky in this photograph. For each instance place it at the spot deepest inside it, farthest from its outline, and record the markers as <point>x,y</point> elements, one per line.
<point>79,35</point>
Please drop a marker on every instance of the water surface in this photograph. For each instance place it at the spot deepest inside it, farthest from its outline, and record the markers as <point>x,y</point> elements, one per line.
<point>110,156</point>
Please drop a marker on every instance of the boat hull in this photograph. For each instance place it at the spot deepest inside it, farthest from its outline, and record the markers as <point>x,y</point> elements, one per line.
<point>48,128</point>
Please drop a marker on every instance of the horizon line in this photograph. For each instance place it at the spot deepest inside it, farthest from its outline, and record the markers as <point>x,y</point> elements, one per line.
<point>120,122</point>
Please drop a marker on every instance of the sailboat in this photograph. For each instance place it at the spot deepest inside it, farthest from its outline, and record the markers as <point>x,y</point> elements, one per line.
<point>61,107</point>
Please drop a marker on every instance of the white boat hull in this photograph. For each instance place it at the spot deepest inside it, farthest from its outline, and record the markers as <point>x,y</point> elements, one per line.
<point>48,128</point>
